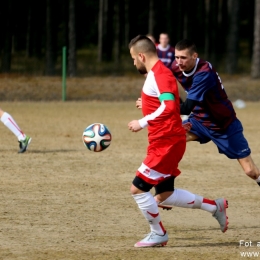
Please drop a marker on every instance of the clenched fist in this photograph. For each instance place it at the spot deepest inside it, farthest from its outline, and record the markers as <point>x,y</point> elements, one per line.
<point>134,126</point>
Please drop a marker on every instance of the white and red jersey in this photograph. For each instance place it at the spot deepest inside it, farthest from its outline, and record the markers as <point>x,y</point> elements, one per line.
<point>162,118</point>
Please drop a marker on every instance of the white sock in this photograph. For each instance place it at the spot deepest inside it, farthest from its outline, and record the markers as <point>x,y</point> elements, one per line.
<point>258,180</point>
<point>149,208</point>
<point>186,199</point>
<point>9,122</point>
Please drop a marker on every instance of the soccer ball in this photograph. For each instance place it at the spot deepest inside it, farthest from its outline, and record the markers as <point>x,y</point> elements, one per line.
<point>96,137</point>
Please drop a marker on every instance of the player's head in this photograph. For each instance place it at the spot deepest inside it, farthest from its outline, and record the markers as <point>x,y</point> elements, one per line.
<point>151,37</point>
<point>186,54</point>
<point>141,49</point>
<point>164,39</point>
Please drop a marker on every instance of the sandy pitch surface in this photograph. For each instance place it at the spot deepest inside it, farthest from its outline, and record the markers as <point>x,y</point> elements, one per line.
<point>61,201</point>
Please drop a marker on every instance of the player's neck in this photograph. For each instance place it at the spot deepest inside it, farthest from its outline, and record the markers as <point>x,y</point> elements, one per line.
<point>189,71</point>
<point>191,68</point>
<point>193,65</point>
<point>151,63</point>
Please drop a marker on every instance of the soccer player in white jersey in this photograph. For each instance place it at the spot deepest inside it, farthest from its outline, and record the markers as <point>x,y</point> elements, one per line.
<point>167,143</point>
<point>9,122</point>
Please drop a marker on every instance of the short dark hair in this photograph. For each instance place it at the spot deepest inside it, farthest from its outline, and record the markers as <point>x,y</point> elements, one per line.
<point>142,44</point>
<point>186,44</point>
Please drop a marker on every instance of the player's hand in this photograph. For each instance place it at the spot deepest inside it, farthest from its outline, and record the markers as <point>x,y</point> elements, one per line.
<point>187,126</point>
<point>134,126</point>
<point>138,103</point>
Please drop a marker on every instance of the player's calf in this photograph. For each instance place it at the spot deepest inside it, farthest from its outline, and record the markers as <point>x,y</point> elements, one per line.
<point>250,168</point>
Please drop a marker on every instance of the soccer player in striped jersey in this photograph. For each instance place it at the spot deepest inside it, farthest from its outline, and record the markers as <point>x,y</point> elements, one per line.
<point>9,122</point>
<point>211,113</point>
<point>164,50</point>
<point>167,143</point>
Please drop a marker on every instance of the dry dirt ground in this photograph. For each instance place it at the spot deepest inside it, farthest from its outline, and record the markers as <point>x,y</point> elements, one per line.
<point>61,201</point>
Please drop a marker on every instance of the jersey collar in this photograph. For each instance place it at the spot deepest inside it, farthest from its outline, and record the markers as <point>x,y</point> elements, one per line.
<point>159,46</point>
<point>194,69</point>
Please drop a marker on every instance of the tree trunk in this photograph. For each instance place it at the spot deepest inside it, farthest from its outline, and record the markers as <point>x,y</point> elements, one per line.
<point>29,32</point>
<point>255,69</point>
<point>100,30</point>
<point>127,25</point>
<point>151,17</point>
<point>116,34</point>
<point>108,29</point>
<point>206,49</point>
<point>72,40</point>
<point>49,69</point>
<point>7,45</point>
<point>185,20</point>
<point>211,25</point>
<point>180,9</point>
<point>233,33</point>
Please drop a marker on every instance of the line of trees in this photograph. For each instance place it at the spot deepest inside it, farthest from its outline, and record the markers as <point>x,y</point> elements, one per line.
<point>227,29</point>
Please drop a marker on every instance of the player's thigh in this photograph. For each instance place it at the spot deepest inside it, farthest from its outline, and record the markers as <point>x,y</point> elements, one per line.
<point>163,158</point>
<point>140,185</point>
<point>165,185</point>
<point>164,189</point>
<point>198,132</point>
<point>232,142</point>
<point>191,137</point>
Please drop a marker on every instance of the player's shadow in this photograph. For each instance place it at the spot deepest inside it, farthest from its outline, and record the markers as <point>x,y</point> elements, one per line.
<point>53,151</point>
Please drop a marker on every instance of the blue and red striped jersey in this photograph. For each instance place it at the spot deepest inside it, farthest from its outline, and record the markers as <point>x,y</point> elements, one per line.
<point>166,55</point>
<point>203,84</point>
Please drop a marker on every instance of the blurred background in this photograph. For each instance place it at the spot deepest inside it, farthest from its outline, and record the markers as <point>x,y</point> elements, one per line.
<point>97,32</point>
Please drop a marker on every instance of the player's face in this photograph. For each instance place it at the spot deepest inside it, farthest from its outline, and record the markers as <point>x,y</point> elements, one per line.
<point>164,40</point>
<point>138,59</point>
<point>185,60</point>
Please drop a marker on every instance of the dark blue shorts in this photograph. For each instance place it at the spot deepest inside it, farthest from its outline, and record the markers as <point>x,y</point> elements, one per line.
<point>230,142</point>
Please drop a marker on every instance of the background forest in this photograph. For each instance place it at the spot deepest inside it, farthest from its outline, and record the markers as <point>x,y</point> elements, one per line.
<point>96,33</point>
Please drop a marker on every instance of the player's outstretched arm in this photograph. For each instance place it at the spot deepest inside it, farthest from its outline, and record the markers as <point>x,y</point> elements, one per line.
<point>138,103</point>
<point>187,106</point>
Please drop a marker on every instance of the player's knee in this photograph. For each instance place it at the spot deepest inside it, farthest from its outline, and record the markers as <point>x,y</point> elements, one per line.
<point>160,198</point>
<point>134,190</point>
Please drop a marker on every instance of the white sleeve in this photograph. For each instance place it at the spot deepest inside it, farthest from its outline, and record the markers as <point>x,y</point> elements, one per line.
<point>144,121</point>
